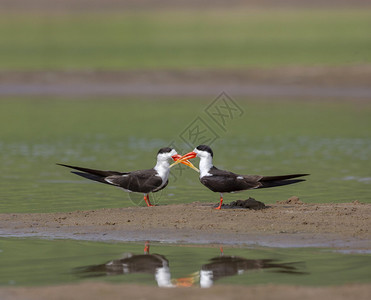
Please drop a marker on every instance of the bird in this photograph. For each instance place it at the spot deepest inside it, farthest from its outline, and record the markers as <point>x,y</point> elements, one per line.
<point>154,264</point>
<point>229,265</point>
<point>141,181</point>
<point>222,181</point>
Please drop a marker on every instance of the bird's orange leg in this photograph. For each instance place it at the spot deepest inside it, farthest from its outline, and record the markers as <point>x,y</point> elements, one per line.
<point>221,202</point>
<point>146,198</point>
<point>146,248</point>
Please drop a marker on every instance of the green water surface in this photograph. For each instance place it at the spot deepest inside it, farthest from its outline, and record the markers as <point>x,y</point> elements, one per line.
<point>40,262</point>
<point>329,140</point>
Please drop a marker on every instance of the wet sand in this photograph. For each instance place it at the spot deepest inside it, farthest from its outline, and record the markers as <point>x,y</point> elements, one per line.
<point>99,290</point>
<point>285,224</point>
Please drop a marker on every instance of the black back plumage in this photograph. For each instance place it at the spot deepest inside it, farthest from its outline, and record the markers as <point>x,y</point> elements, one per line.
<point>224,266</point>
<point>143,181</point>
<point>226,182</point>
<point>142,263</point>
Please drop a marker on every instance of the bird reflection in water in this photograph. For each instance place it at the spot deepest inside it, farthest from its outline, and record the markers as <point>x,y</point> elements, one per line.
<point>154,264</point>
<point>157,265</point>
<point>225,266</point>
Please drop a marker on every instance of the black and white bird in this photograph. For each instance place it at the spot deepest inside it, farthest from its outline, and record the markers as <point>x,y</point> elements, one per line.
<point>229,265</point>
<point>155,264</point>
<point>141,181</point>
<point>227,182</point>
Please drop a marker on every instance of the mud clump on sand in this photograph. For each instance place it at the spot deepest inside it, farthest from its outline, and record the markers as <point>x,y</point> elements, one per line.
<point>291,200</point>
<point>250,203</point>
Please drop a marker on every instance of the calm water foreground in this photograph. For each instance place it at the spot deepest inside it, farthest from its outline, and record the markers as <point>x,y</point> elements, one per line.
<point>40,262</point>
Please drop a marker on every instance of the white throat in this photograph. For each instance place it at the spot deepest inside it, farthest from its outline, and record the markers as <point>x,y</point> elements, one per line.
<point>163,277</point>
<point>206,163</point>
<point>206,279</point>
<point>163,168</point>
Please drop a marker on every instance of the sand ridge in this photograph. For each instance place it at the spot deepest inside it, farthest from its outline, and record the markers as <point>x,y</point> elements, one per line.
<point>99,290</point>
<point>343,225</point>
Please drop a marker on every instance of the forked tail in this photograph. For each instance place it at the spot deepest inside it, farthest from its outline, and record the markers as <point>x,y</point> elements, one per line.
<point>273,181</point>
<point>92,174</point>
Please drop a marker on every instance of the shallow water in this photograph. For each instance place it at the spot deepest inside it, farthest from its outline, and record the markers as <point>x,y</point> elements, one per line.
<point>39,262</point>
<point>329,140</point>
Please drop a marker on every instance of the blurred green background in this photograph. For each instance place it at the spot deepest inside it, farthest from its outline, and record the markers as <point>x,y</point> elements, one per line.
<point>320,47</point>
<point>185,39</point>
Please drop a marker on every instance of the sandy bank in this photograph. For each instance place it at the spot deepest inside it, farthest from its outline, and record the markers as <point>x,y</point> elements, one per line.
<point>344,225</point>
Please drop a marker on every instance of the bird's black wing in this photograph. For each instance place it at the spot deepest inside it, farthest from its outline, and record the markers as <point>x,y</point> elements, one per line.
<point>161,187</point>
<point>226,182</point>
<point>143,181</point>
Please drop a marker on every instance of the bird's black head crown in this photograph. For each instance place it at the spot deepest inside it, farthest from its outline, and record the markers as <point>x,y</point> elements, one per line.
<point>165,150</point>
<point>205,148</point>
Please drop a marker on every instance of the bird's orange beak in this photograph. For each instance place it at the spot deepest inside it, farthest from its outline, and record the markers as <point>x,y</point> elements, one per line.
<point>184,161</point>
<point>184,282</point>
<point>187,281</point>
